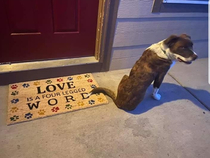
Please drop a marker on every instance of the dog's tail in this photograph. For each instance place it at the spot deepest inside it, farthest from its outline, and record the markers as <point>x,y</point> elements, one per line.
<point>105,91</point>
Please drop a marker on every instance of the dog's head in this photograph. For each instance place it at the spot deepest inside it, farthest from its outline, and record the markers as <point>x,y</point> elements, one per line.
<point>181,48</point>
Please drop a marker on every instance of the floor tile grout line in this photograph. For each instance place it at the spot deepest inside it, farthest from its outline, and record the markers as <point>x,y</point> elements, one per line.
<point>189,92</point>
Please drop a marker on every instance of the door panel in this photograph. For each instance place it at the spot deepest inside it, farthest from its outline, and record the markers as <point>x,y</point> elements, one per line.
<point>47,29</point>
<point>65,15</point>
<point>22,16</point>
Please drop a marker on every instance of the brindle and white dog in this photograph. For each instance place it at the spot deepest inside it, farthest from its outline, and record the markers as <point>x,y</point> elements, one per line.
<point>152,66</point>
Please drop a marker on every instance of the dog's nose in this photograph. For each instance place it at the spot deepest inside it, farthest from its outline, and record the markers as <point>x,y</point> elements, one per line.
<point>194,56</point>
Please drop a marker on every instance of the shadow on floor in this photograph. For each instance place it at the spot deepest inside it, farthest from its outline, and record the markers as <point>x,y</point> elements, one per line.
<point>169,92</point>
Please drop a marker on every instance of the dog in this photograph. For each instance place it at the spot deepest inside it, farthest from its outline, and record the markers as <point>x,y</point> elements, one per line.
<point>152,66</point>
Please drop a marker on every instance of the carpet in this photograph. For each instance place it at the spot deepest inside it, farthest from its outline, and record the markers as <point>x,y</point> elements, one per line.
<point>37,99</point>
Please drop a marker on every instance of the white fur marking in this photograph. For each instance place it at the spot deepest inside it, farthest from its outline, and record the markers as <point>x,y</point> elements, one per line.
<point>183,58</point>
<point>89,94</point>
<point>155,94</point>
<point>159,47</point>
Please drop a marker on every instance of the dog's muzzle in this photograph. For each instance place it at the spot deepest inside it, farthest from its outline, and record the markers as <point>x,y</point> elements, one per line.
<point>194,57</point>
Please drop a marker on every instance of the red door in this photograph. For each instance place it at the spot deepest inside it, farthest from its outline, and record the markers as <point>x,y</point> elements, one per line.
<point>47,29</point>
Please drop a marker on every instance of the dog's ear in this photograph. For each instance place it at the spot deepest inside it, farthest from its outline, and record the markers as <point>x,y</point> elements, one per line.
<point>185,36</point>
<point>171,40</point>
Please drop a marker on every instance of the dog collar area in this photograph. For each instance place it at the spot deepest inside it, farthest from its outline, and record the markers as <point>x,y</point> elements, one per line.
<point>166,54</point>
<point>163,50</point>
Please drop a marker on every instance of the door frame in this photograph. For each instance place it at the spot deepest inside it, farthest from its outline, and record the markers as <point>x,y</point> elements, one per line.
<point>27,71</point>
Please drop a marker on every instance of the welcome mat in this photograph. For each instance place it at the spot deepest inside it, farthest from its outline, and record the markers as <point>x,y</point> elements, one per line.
<point>41,98</point>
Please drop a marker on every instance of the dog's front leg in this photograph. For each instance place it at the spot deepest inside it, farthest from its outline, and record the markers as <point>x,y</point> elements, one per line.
<point>155,94</point>
<point>158,81</point>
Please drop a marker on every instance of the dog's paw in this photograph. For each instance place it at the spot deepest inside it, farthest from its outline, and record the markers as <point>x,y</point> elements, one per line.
<point>156,96</point>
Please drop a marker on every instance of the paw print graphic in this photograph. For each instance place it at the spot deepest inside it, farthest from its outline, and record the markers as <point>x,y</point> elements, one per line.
<point>14,101</point>
<point>55,109</point>
<point>14,118</point>
<point>70,78</point>
<point>91,102</point>
<point>14,86</point>
<point>80,104</point>
<point>48,81</point>
<point>100,99</point>
<point>59,79</point>
<point>87,76</point>
<point>14,93</point>
<point>36,83</point>
<point>68,106</point>
<point>25,85</point>
<point>41,112</point>
<point>90,80</point>
<point>28,115</point>
<point>79,77</point>
<point>93,86</point>
<point>14,109</point>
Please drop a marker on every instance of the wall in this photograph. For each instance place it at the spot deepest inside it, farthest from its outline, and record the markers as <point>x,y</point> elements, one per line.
<point>137,28</point>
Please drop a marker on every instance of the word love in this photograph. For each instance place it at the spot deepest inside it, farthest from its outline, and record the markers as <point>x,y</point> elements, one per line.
<point>52,88</point>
